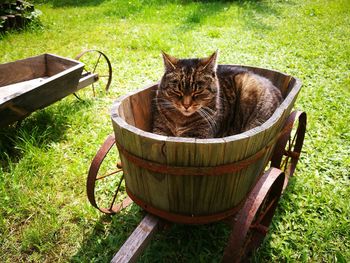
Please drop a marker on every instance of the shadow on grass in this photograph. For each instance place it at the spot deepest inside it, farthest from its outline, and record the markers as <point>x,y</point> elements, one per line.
<point>188,243</point>
<point>108,235</point>
<point>179,243</point>
<point>37,130</point>
<point>265,250</point>
<point>248,11</point>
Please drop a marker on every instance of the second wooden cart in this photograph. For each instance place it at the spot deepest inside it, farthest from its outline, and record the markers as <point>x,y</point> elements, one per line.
<point>238,178</point>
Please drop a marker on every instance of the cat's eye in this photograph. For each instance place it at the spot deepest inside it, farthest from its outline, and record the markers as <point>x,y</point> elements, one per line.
<point>178,93</point>
<point>197,93</point>
<point>200,84</point>
<point>173,82</point>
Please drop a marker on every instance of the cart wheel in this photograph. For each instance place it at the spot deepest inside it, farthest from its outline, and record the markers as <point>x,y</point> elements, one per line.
<point>288,147</point>
<point>103,185</point>
<point>97,62</point>
<point>253,220</point>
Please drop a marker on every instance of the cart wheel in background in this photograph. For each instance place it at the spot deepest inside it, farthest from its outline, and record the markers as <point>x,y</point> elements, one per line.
<point>96,62</point>
<point>104,187</point>
<point>288,147</point>
<point>253,220</point>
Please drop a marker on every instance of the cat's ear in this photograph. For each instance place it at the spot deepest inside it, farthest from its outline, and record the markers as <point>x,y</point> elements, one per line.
<point>210,62</point>
<point>170,62</point>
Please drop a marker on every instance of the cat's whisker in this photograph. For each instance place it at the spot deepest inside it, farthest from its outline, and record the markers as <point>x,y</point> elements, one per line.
<point>238,100</point>
<point>208,118</point>
<point>209,110</point>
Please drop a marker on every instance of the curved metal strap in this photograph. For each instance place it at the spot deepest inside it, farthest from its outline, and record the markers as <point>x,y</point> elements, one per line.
<point>184,219</point>
<point>194,171</point>
<point>94,168</point>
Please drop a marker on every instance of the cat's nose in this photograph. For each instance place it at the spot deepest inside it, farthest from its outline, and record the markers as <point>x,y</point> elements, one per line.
<point>186,102</point>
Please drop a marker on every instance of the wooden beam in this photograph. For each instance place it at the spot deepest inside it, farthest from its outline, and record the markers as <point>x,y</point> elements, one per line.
<point>138,240</point>
<point>87,80</point>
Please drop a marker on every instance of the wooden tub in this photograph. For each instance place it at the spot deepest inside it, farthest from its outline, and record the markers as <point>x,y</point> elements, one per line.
<point>188,180</point>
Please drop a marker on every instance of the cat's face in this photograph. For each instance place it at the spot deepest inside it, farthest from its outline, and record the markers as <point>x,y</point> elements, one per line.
<point>188,85</point>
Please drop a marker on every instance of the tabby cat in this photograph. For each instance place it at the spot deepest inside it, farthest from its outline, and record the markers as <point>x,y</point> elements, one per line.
<point>198,98</point>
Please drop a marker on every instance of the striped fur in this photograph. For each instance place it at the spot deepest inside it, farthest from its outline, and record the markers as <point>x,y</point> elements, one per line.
<point>198,98</point>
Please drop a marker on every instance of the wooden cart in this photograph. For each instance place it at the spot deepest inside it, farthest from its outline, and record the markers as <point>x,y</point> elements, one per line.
<point>34,83</point>
<point>198,181</point>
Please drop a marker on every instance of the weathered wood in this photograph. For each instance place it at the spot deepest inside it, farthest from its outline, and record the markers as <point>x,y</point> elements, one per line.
<point>22,70</point>
<point>41,93</point>
<point>155,182</point>
<point>87,80</point>
<point>18,88</point>
<point>128,114</point>
<point>56,64</point>
<point>141,104</point>
<point>138,240</point>
<point>136,112</point>
<point>210,153</point>
<point>195,195</point>
<point>180,151</point>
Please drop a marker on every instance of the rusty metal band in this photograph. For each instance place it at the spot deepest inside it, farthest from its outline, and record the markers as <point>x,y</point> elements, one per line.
<point>194,171</point>
<point>93,171</point>
<point>184,219</point>
<point>280,150</point>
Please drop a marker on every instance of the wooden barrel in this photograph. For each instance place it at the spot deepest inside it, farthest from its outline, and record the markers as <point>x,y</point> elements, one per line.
<point>189,180</point>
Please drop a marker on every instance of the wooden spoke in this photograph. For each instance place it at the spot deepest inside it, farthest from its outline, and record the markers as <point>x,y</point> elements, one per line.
<point>93,89</point>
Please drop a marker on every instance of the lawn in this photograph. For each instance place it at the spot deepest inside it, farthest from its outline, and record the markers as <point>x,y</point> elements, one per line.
<point>44,212</point>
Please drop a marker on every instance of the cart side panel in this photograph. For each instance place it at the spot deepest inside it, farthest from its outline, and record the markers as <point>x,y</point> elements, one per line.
<point>56,64</point>
<point>22,70</point>
<point>45,93</point>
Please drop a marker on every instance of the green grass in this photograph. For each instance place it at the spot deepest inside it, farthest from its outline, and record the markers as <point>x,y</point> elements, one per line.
<point>44,212</point>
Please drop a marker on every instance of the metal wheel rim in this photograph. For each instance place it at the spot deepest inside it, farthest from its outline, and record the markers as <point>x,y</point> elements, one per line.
<point>287,151</point>
<point>93,177</point>
<point>101,54</point>
<point>251,223</point>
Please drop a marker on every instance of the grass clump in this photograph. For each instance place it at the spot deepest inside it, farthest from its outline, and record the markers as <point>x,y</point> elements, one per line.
<point>44,212</point>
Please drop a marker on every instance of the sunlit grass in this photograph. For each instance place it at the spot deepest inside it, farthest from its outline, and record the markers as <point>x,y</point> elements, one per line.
<point>44,212</point>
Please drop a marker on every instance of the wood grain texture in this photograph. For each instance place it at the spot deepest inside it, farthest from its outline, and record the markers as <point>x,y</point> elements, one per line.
<point>207,192</point>
<point>138,240</point>
<point>196,195</point>
<point>22,70</point>
<point>141,104</point>
<point>87,80</point>
<point>43,93</point>
<point>180,151</point>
